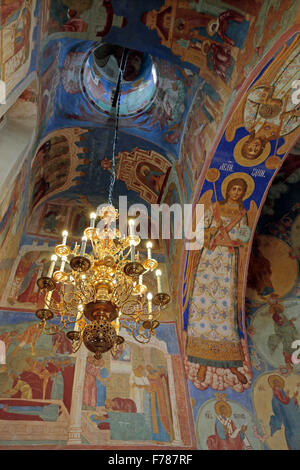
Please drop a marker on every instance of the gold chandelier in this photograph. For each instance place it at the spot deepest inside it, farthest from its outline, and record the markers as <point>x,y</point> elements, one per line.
<point>102,290</point>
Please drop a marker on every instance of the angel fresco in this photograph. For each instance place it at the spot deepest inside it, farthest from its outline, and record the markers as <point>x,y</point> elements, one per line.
<point>216,355</point>
<point>267,112</point>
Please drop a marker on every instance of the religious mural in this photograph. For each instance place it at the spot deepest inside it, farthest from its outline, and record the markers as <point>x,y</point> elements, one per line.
<point>227,231</point>
<point>88,16</point>
<point>228,426</point>
<point>18,29</point>
<point>144,172</point>
<point>36,382</point>
<point>219,374</point>
<point>198,136</point>
<point>129,398</point>
<point>12,220</point>
<point>54,165</point>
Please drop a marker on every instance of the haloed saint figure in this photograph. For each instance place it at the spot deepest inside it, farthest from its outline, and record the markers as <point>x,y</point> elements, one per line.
<point>215,355</point>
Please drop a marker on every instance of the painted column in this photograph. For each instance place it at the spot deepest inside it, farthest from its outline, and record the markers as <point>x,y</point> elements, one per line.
<point>75,428</point>
<point>176,425</point>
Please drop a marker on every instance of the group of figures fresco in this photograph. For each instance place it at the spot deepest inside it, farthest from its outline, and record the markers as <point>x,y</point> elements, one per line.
<point>143,402</point>
<point>242,383</point>
<point>126,396</point>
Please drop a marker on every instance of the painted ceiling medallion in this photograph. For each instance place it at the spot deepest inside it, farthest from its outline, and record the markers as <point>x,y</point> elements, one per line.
<point>99,78</point>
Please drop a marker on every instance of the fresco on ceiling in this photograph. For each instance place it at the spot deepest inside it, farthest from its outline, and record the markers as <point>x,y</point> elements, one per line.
<point>54,166</point>
<point>175,90</point>
<point>35,382</point>
<point>207,40</point>
<point>268,114</point>
<point>138,84</point>
<point>84,159</point>
<point>76,16</point>
<point>144,172</point>
<point>199,133</point>
<point>65,105</point>
<point>217,349</point>
<point>19,34</point>
<point>51,218</point>
<point>220,41</point>
<point>49,80</point>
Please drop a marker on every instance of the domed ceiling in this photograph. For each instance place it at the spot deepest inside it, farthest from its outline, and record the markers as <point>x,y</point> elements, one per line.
<point>206,103</point>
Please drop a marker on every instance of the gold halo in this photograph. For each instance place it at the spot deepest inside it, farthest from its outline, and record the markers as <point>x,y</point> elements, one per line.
<point>272,378</point>
<point>224,404</point>
<point>247,178</point>
<point>237,152</point>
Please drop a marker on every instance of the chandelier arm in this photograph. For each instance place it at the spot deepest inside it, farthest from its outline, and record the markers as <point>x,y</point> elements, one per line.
<point>76,345</point>
<point>51,329</point>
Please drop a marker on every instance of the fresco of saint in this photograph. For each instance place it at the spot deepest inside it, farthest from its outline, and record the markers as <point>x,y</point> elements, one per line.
<point>227,435</point>
<point>286,412</point>
<point>215,353</point>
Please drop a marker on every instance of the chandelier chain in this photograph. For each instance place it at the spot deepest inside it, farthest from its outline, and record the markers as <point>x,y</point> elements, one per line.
<point>117,114</point>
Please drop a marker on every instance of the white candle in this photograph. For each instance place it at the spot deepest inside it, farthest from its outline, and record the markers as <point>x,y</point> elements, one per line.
<point>65,236</point>
<point>149,246</point>
<point>52,265</point>
<point>63,262</point>
<point>158,278</point>
<point>149,297</point>
<point>131,227</point>
<point>93,219</point>
<point>83,246</point>
<point>140,279</point>
<point>132,248</point>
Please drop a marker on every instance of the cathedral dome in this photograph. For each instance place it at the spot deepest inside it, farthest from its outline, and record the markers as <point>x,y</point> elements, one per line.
<point>100,76</point>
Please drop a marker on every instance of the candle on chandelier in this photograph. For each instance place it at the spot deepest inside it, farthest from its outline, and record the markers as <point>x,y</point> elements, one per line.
<point>65,236</point>
<point>140,279</point>
<point>52,265</point>
<point>158,278</point>
<point>93,216</point>
<point>149,298</point>
<point>132,249</point>
<point>149,246</point>
<point>83,245</point>
<point>63,262</point>
<point>131,227</point>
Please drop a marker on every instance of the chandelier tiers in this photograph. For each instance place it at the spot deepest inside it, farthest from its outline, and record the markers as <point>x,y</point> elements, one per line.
<point>101,291</point>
